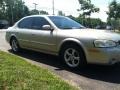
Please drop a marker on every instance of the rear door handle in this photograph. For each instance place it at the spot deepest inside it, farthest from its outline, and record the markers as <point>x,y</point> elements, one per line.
<point>33,34</point>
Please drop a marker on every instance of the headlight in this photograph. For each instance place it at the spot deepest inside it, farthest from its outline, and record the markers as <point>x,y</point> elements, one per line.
<point>104,43</point>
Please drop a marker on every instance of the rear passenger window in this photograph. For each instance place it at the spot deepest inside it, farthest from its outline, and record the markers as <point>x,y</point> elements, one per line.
<point>38,22</point>
<point>25,23</point>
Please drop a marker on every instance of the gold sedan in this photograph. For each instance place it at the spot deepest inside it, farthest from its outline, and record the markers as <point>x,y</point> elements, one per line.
<point>61,36</point>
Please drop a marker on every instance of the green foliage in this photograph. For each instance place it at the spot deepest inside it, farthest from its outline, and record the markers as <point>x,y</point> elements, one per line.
<point>114,14</point>
<point>44,12</point>
<point>114,23</point>
<point>17,74</point>
<point>114,11</point>
<point>87,9</point>
<point>34,12</point>
<point>13,10</point>
<point>84,21</point>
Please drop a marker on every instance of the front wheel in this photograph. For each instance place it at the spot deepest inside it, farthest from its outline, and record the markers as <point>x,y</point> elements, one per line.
<point>73,56</point>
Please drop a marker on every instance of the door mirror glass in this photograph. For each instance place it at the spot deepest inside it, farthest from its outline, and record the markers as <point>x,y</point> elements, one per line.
<point>47,27</point>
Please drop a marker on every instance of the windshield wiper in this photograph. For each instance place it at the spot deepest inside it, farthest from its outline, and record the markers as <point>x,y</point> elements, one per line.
<point>78,28</point>
<point>67,28</point>
<point>73,28</point>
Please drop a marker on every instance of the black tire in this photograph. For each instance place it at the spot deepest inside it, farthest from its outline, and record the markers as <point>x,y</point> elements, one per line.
<point>15,45</point>
<point>78,55</point>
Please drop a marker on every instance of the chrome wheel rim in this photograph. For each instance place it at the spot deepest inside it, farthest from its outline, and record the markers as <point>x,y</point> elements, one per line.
<point>72,57</point>
<point>14,45</point>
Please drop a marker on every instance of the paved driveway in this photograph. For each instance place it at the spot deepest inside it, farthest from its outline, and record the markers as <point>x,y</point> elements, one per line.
<point>93,77</point>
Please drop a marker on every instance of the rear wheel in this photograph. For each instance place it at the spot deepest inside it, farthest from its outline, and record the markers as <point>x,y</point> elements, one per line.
<point>15,45</point>
<point>73,56</point>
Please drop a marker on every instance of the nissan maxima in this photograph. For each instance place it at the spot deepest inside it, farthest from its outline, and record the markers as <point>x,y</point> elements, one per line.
<point>62,36</point>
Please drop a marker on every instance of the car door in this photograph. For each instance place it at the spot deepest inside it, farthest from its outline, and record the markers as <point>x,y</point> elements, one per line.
<point>23,32</point>
<point>42,39</point>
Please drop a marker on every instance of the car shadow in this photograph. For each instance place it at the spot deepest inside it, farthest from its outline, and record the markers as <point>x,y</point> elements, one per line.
<point>98,72</point>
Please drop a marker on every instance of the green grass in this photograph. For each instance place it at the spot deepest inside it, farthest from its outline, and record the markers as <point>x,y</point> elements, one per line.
<point>17,74</point>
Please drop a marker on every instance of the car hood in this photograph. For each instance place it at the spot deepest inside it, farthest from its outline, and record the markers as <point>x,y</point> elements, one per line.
<point>92,34</point>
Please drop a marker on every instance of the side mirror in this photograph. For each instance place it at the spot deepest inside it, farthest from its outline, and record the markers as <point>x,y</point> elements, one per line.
<point>47,27</point>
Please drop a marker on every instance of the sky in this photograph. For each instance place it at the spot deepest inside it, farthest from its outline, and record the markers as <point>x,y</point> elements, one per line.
<point>69,7</point>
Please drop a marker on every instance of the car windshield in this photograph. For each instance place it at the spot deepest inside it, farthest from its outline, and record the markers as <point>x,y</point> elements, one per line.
<point>65,23</point>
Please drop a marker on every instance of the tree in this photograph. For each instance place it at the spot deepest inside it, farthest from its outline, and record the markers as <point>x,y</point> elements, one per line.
<point>2,9</point>
<point>87,8</point>
<point>44,12</point>
<point>34,12</point>
<point>13,10</point>
<point>94,22</point>
<point>113,10</point>
<point>60,13</point>
<point>113,14</point>
<point>72,17</point>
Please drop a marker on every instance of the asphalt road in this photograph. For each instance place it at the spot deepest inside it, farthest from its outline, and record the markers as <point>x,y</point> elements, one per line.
<point>92,77</point>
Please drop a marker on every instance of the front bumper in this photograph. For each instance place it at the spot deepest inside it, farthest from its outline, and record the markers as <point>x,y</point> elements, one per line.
<point>113,55</point>
<point>104,55</point>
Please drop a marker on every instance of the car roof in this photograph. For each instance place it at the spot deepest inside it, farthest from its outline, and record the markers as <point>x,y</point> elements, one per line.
<point>43,16</point>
